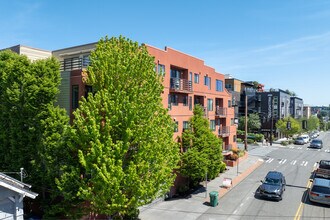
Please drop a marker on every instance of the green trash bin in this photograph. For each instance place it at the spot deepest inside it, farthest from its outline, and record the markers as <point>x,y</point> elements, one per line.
<point>214,195</point>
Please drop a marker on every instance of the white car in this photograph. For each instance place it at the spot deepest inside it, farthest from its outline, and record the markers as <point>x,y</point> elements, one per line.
<point>306,138</point>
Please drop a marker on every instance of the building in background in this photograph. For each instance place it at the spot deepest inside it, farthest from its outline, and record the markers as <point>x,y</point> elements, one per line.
<point>31,53</point>
<point>296,107</point>
<point>307,111</point>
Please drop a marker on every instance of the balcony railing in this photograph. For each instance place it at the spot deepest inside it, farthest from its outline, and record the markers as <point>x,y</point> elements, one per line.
<point>74,63</point>
<point>224,131</point>
<point>221,111</point>
<point>178,84</point>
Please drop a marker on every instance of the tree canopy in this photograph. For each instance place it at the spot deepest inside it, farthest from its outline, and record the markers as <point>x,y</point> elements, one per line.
<point>203,149</point>
<point>253,123</point>
<point>281,125</point>
<point>31,128</point>
<point>122,137</point>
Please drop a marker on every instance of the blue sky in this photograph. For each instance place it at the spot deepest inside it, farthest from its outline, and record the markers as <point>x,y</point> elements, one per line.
<point>281,43</point>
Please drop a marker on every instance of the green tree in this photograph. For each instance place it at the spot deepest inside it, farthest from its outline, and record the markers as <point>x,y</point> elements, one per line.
<point>123,152</point>
<point>253,122</point>
<point>203,149</point>
<point>30,126</point>
<point>313,123</point>
<point>281,125</point>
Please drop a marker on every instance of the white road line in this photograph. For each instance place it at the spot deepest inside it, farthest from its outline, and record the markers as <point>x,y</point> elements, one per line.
<point>302,163</point>
<point>299,148</point>
<point>269,160</point>
<point>282,161</point>
<point>315,164</point>
<point>306,162</point>
<point>293,162</point>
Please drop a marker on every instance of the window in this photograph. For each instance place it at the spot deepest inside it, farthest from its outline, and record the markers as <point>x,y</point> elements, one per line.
<point>173,99</point>
<point>234,138</point>
<point>190,103</point>
<point>207,81</point>
<point>219,85</point>
<point>185,125</point>
<point>229,103</point>
<point>85,61</point>
<point>212,125</point>
<point>228,86</point>
<point>196,78</point>
<point>75,96</point>
<point>210,104</point>
<point>161,69</point>
<point>175,73</point>
<point>232,121</point>
<point>176,126</point>
<point>88,89</point>
<point>185,100</point>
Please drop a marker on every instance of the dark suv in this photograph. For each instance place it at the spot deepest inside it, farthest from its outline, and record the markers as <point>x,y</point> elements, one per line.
<point>272,186</point>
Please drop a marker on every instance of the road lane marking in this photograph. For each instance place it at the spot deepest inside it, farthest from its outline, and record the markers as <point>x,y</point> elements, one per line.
<point>269,160</point>
<point>282,161</point>
<point>293,162</point>
<point>301,206</point>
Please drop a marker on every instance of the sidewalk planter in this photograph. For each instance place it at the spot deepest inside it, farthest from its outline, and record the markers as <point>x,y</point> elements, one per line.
<point>233,163</point>
<point>214,198</point>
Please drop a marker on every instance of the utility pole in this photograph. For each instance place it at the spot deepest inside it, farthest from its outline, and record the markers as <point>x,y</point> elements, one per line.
<point>272,122</point>
<point>246,118</point>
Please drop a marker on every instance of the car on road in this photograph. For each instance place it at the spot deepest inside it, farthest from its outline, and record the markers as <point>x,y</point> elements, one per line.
<point>300,141</point>
<point>316,143</point>
<point>272,186</point>
<point>320,191</point>
<point>306,138</point>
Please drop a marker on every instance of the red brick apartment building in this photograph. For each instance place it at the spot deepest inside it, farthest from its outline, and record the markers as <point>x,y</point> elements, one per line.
<point>187,82</point>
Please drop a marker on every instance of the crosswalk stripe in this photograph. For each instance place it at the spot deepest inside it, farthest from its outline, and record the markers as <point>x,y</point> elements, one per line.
<point>293,162</point>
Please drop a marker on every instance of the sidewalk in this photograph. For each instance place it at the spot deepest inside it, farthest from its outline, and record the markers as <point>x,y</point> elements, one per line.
<point>198,202</point>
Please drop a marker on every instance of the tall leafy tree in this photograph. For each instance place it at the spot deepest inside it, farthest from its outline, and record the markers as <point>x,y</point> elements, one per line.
<point>295,126</point>
<point>30,126</point>
<point>123,152</point>
<point>203,149</point>
<point>253,122</point>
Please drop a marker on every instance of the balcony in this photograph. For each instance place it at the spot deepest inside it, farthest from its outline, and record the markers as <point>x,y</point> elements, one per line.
<point>221,112</point>
<point>180,85</point>
<point>74,63</point>
<point>224,131</point>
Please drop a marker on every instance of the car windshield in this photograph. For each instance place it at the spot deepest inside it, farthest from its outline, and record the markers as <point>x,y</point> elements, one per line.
<point>272,181</point>
<point>316,141</point>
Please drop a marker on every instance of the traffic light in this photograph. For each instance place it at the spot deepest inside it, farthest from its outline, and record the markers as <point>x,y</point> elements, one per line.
<point>288,125</point>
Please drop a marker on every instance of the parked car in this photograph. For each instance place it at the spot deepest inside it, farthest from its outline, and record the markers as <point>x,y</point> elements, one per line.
<point>316,143</point>
<point>323,169</point>
<point>320,191</point>
<point>299,140</point>
<point>306,138</point>
<point>272,186</point>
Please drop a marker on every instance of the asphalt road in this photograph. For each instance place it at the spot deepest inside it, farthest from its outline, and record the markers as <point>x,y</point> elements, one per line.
<point>296,162</point>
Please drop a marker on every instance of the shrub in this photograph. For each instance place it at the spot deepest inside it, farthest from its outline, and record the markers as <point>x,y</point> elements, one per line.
<point>241,153</point>
<point>222,167</point>
<point>284,143</point>
<point>233,156</point>
<point>250,141</point>
<point>239,140</point>
<point>183,189</point>
<point>259,137</point>
<point>240,132</point>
